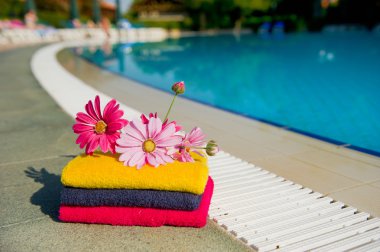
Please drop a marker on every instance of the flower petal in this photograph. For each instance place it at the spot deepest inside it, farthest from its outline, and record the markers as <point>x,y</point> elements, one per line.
<point>136,158</point>
<point>123,121</point>
<point>141,163</point>
<point>140,127</point>
<point>168,131</point>
<point>110,106</point>
<point>131,131</point>
<point>114,116</point>
<point>169,142</point>
<point>130,150</point>
<point>103,142</point>
<point>152,160</point>
<point>91,112</point>
<point>93,144</point>
<point>84,118</point>
<point>154,127</point>
<point>187,157</point>
<point>159,159</point>
<point>129,142</point>
<point>165,157</point>
<point>83,139</point>
<point>196,137</point>
<point>97,107</point>
<point>144,119</point>
<point>114,126</point>
<point>79,128</point>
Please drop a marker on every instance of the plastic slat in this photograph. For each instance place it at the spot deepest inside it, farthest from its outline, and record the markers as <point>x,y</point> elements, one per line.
<point>269,213</point>
<point>274,231</point>
<point>256,190</point>
<point>262,199</point>
<point>223,163</point>
<point>258,185</point>
<point>222,158</point>
<point>352,242</point>
<point>249,176</point>
<point>234,169</point>
<point>253,177</point>
<point>221,154</point>
<point>246,186</point>
<point>249,205</point>
<point>215,161</point>
<point>334,236</point>
<point>370,247</point>
<point>244,208</point>
<point>283,218</point>
<point>280,190</point>
<point>267,216</point>
<point>300,235</point>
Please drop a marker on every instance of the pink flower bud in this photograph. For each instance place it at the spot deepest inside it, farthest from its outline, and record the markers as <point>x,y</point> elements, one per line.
<point>179,87</point>
<point>212,148</point>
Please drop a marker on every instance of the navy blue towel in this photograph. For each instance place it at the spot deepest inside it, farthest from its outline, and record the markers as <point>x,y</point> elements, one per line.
<point>132,198</point>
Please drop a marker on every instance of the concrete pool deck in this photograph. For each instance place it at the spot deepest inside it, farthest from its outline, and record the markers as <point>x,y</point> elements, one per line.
<point>37,141</point>
<point>343,174</point>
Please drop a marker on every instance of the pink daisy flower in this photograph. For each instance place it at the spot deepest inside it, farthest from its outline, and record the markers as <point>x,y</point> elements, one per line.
<point>194,139</point>
<point>96,129</point>
<point>147,143</point>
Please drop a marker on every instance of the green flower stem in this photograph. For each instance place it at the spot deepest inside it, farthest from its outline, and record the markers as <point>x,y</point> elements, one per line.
<point>170,108</point>
<point>194,147</point>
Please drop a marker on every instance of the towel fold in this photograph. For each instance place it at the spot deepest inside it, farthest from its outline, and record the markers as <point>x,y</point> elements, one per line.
<point>106,172</point>
<point>133,198</point>
<point>137,216</point>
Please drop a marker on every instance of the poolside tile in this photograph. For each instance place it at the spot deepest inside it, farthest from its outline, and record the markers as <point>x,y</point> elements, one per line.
<point>55,142</point>
<point>46,235</point>
<point>360,197</point>
<point>376,184</point>
<point>341,165</point>
<point>307,175</point>
<point>31,171</point>
<point>33,200</point>
<point>313,142</point>
<point>360,156</point>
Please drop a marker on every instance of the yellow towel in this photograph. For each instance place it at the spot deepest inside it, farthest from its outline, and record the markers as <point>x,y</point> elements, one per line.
<point>105,171</point>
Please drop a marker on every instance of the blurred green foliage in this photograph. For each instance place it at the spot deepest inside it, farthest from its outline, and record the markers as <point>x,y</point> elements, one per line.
<point>202,14</point>
<point>220,14</point>
<point>50,12</point>
<point>11,9</point>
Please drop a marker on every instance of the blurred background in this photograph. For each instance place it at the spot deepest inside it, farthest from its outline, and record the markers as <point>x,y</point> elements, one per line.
<point>307,65</point>
<point>294,15</point>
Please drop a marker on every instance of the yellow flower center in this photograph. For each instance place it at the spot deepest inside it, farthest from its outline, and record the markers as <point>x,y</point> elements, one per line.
<point>149,146</point>
<point>100,127</point>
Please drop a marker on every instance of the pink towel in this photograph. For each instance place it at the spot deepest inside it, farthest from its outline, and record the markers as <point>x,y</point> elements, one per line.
<point>137,216</point>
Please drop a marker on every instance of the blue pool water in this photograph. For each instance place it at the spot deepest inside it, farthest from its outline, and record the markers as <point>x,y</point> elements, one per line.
<point>324,85</point>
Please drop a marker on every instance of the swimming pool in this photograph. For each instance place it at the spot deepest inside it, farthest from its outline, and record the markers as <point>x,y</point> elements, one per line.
<point>323,85</point>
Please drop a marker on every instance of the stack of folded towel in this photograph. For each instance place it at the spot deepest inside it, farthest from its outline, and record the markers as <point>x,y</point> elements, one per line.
<point>100,189</point>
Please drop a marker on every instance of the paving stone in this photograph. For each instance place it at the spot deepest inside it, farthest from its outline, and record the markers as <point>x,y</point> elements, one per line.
<point>46,235</point>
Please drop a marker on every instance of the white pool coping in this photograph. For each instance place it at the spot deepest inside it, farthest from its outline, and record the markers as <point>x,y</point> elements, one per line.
<point>313,214</point>
<point>68,91</point>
